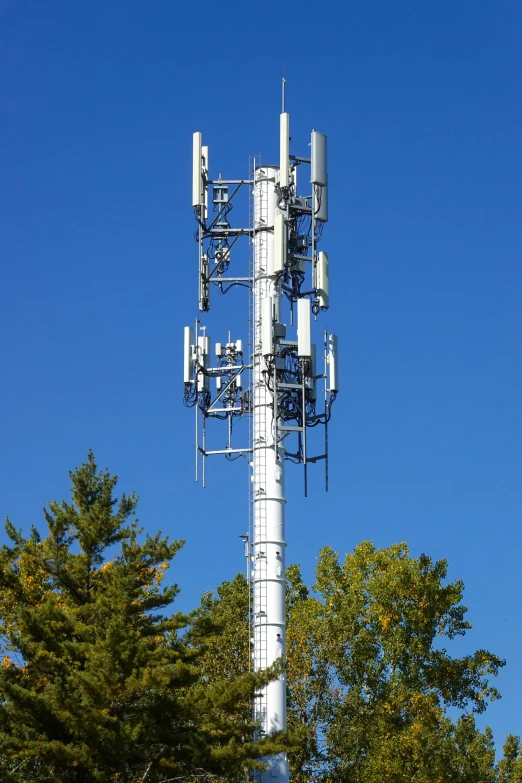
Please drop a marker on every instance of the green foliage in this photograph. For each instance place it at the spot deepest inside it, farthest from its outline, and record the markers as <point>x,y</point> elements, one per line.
<point>473,753</point>
<point>97,683</point>
<point>510,767</point>
<point>101,682</point>
<point>384,683</point>
<point>369,680</point>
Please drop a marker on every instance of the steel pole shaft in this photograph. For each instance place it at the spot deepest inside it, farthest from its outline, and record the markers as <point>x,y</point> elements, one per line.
<point>268,488</point>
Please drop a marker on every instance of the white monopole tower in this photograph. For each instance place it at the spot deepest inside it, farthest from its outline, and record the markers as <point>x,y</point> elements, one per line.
<point>282,384</point>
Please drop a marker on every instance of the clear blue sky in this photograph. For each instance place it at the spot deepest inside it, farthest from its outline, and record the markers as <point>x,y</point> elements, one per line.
<point>421,104</point>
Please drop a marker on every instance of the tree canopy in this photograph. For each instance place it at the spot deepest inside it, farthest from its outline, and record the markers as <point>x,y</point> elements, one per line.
<point>102,681</point>
<point>371,684</point>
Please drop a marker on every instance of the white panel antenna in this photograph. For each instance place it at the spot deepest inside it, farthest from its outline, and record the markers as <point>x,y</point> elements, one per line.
<point>188,346</point>
<point>197,179</point>
<point>204,165</point>
<point>304,342</point>
<point>333,375</point>
<point>318,174</point>
<point>323,280</point>
<point>284,148</point>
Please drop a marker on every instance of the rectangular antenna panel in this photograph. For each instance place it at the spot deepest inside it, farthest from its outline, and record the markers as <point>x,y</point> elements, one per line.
<point>284,149</point>
<point>333,363</point>
<point>197,181</point>
<point>239,346</point>
<point>321,203</point>
<point>323,280</point>
<point>279,243</point>
<point>267,343</point>
<point>313,373</point>
<point>304,343</point>
<point>319,176</point>
<point>204,155</point>
<point>188,342</point>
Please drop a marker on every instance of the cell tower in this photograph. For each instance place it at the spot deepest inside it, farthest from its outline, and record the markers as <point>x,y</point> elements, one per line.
<point>283,384</point>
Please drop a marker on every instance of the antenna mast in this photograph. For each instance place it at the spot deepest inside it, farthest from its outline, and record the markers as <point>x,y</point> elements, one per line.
<point>274,383</point>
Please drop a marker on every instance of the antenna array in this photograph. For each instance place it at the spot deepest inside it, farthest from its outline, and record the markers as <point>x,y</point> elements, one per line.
<point>283,382</point>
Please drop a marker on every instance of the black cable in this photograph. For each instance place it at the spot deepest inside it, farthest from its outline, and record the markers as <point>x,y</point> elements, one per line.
<point>227,289</point>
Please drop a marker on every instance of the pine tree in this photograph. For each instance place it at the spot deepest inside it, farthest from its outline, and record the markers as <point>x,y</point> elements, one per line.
<point>98,683</point>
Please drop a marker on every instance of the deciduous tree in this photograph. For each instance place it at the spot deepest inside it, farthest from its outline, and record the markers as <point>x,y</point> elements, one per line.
<point>370,679</point>
<point>510,767</point>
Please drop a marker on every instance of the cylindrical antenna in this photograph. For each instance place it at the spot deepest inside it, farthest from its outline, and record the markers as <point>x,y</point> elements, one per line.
<point>284,149</point>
